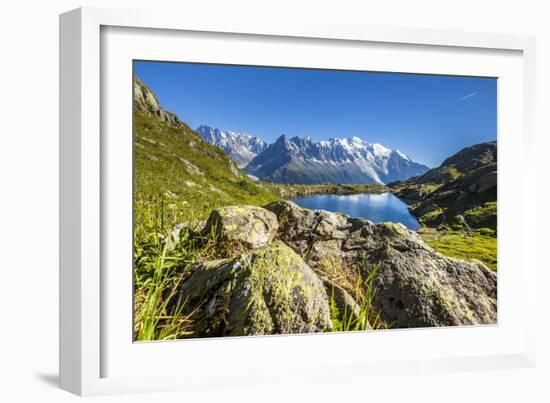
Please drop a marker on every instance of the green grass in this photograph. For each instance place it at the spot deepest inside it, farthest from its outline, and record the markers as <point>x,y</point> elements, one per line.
<point>480,244</point>
<point>161,263</point>
<point>476,240</point>
<point>163,259</point>
<point>426,188</point>
<point>178,179</point>
<point>484,216</point>
<point>175,164</point>
<point>452,173</point>
<point>363,291</point>
<point>433,218</point>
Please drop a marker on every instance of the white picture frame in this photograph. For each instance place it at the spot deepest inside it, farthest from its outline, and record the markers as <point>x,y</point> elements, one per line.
<point>91,344</point>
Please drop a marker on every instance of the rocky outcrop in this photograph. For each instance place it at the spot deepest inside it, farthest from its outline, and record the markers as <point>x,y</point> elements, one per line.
<point>458,197</point>
<point>480,180</point>
<point>485,182</point>
<point>463,182</point>
<point>463,162</point>
<point>287,285</point>
<point>248,226</point>
<point>269,290</point>
<point>416,286</point>
<point>473,157</point>
<point>146,101</point>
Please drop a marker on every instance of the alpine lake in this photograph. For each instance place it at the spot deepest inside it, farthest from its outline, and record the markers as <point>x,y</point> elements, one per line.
<point>376,207</point>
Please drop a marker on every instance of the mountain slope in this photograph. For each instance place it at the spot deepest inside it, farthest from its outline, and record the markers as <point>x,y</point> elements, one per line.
<point>240,147</point>
<point>464,185</point>
<point>301,160</point>
<point>464,161</point>
<point>457,204</point>
<point>175,165</point>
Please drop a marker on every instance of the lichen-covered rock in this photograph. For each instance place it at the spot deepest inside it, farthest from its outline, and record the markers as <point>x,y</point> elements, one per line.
<point>299,226</point>
<point>269,290</point>
<point>416,286</point>
<point>249,226</point>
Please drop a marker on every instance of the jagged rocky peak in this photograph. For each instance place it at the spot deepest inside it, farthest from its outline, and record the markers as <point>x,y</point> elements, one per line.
<point>241,147</point>
<point>337,160</point>
<point>302,160</point>
<point>146,101</point>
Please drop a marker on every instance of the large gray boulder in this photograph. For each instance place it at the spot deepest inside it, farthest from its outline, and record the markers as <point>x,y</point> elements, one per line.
<point>269,290</point>
<point>416,286</point>
<point>248,226</point>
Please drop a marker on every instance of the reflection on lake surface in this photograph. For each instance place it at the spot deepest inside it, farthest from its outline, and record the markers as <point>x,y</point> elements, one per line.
<point>374,207</point>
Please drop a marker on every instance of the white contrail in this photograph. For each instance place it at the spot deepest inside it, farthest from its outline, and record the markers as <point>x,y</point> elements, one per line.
<point>467,96</point>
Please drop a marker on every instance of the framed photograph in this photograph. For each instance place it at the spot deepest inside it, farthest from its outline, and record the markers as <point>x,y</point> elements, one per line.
<point>244,201</point>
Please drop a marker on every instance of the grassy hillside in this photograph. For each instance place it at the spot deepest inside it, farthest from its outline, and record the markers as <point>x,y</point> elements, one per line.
<point>174,166</point>
<point>178,180</point>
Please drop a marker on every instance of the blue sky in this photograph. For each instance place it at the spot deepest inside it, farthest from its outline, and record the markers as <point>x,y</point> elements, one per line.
<point>427,117</point>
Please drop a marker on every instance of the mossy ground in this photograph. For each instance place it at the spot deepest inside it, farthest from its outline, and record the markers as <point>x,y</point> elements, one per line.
<point>479,244</point>
<point>478,240</point>
<point>482,217</point>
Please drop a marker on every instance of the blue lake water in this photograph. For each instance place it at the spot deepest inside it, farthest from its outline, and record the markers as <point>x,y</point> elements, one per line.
<point>374,207</point>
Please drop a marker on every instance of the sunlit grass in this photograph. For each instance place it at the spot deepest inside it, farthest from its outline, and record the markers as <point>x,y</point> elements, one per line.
<point>480,244</point>
<point>162,260</point>
<point>363,291</point>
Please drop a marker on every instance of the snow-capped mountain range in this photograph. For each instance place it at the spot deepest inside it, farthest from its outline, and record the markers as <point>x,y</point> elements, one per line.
<point>302,160</point>
<point>240,147</point>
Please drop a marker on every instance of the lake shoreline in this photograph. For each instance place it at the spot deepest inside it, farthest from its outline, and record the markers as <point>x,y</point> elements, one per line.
<point>289,191</point>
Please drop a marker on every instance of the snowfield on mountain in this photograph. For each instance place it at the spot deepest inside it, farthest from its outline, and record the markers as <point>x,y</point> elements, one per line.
<point>303,161</point>
<point>241,147</point>
<point>338,160</point>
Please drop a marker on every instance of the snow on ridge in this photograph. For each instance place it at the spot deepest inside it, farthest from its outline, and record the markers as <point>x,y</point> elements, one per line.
<point>241,147</point>
<point>349,154</point>
<point>380,150</point>
<point>402,155</point>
